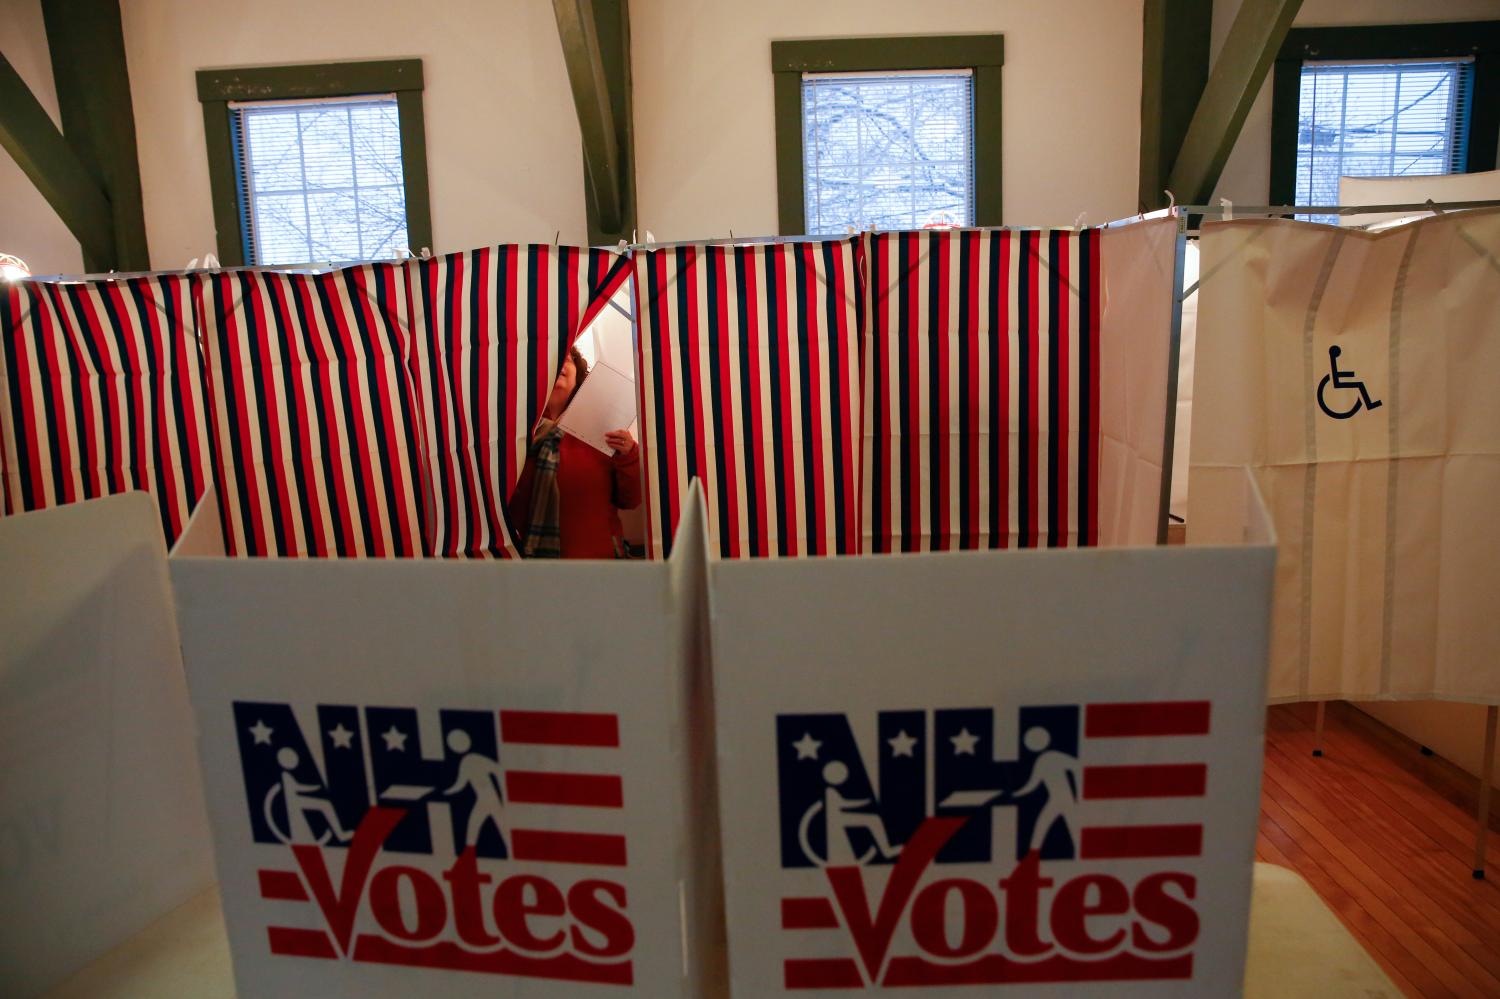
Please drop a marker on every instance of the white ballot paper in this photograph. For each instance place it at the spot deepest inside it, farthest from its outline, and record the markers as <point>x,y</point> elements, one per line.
<point>605,402</point>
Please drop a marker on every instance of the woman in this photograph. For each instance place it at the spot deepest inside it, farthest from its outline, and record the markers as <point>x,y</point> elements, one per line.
<point>569,495</point>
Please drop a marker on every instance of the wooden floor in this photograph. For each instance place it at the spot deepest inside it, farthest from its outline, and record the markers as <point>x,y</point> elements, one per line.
<point>1386,836</point>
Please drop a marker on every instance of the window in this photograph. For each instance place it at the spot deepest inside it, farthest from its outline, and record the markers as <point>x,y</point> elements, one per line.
<point>320,180</point>
<point>1392,101</point>
<point>893,151</point>
<point>889,133</point>
<point>1398,119</point>
<point>317,163</point>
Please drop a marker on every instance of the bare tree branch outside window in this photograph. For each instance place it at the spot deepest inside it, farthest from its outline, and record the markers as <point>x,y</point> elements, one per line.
<point>892,151</point>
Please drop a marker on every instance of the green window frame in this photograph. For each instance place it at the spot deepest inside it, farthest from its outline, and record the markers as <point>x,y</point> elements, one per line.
<point>1394,42</point>
<point>217,87</point>
<point>983,55</point>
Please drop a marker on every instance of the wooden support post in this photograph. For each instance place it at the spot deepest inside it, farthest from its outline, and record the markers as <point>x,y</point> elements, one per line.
<point>87,44</point>
<point>1174,67</point>
<point>1318,729</point>
<point>39,149</point>
<point>1233,84</point>
<point>595,37</point>
<point>1486,778</point>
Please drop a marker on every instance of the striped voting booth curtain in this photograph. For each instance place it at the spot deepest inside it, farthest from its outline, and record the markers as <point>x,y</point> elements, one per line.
<point>749,380</point>
<point>317,449</point>
<point>981,390</point>
<point>103,392</point>
<point>1354,373</point>
<point>492,328</point>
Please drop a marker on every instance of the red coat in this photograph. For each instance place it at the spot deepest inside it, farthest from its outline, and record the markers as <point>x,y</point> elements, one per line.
<point>592,488</point>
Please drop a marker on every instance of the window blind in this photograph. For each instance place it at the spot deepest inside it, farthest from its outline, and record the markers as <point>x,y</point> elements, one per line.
<point>319,180</point>
<point>1380,119</point>
<point>889,150</point>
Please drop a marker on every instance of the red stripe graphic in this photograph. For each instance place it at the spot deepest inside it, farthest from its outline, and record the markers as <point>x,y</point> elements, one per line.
<point>817,496</point>
<point>808,914</point>
<point>1130,842</point>
<point>997,969</point>
<point>1094,440</point>
<point>532,787</point>
<point>916,443</point>
<point>694,377</point>
<point>1152,718</point>
<point>782,332</point>
<point>882,250</point>
<point>822,973</point>
<point>290,942</point>
<point>947,475</point>
<point>1169,780</point>
<point>600,849</point>
<point>1031,437</point>
<point>282,886</point>
<point>560,728</point>
<point>449,954</point>
<point>756,337</point>
<point>1062,520</point>
<point>734,456</point>
<point>974,425</point>
<point>1000,344</point>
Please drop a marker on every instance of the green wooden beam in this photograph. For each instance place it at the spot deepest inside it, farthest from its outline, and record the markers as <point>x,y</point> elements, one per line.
<point>306,82</point>
<point>1254,39</point>
<point>93,94</point>
<point>39,149</point>
<point>1174,68</point>
<point>595,36</point>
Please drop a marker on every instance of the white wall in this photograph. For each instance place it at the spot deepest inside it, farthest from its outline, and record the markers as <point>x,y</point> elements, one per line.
<point>705,132</point>
<point>504,159</point>
<point>503,147</point>
<point>1247,175</point>
<point>29,228</point>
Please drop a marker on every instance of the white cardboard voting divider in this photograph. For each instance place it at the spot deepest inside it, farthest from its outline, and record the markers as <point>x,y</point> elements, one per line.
<point>455,778</point>
<point>102,827</point>
<point>896,736</point>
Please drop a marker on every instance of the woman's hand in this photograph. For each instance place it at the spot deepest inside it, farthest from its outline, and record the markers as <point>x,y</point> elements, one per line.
<point>621,441</point>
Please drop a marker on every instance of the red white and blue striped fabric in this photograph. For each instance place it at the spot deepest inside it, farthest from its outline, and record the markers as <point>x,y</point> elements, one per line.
<point>981,391</point>
<point>493,326</point>
<point>748,375</point>
<point>103,392</point>
<point>314,416</point>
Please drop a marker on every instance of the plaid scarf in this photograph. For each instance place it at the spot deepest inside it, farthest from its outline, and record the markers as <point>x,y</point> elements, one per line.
<point>543,534</point>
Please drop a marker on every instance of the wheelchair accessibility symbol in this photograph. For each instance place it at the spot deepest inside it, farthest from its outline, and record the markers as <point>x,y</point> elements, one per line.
<point>1343,380</point>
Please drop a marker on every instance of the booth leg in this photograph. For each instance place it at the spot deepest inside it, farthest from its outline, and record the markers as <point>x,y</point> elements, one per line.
<point>1318,729</point>
<point>1486,778</point>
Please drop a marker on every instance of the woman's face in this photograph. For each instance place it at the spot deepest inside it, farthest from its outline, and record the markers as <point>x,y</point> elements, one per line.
<point>563,387</point>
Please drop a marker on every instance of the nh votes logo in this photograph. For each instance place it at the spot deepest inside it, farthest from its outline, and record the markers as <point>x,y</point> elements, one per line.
<point>400,837</point>
<point>940,857</point>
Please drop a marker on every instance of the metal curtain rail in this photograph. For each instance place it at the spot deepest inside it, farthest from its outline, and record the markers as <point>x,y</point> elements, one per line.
<point>1425,206</point>
<point>307,268</point>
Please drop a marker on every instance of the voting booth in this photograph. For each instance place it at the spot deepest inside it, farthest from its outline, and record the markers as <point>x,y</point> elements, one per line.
<point>102,827</point>
<point>1025,772</point>
<point>454,778</point>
